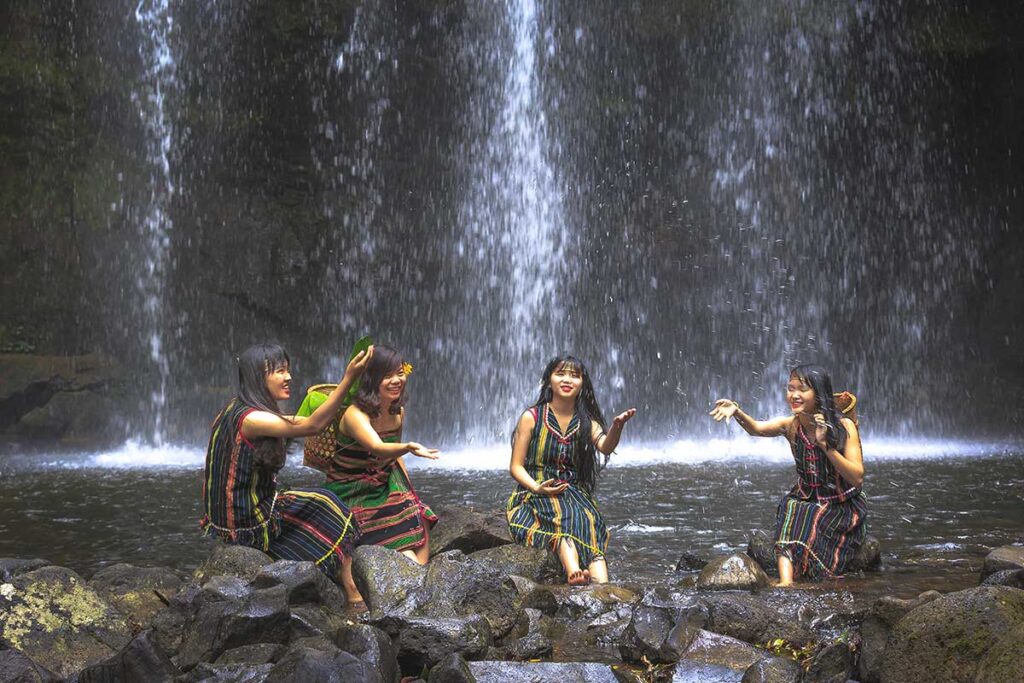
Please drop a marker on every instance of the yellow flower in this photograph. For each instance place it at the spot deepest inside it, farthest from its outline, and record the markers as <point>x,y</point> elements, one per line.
<point>406,369</point>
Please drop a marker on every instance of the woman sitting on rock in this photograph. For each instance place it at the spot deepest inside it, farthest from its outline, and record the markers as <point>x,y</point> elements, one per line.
<point>554,462</point>
<point>247,449</point>
<point>820,522</point>
<point>361,454</point>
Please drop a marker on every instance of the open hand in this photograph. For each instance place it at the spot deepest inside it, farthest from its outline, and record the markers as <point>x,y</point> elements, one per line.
<point>622,418</point>
<point>357,365</point>
<point>724,409</point>
<point>551,487</point>
<point>422,451</point>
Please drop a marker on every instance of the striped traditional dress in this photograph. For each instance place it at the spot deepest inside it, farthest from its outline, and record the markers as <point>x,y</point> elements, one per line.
<point>820,522</point>
<point>243,505</point>
<point>379,493</point>
<point>542,521</point>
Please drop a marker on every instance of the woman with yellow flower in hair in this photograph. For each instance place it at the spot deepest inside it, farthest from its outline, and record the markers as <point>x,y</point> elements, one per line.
<point>361,454</point>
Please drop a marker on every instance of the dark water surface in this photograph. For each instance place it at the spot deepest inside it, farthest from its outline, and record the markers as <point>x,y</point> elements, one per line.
<point>936,518</point>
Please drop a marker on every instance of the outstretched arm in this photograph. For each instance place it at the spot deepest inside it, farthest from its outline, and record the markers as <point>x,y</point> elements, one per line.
<point>356,424</point>
<point>725,408</point>
<point>262,423</point>
<point>607,441</point>
<point>849,463</point>
<point>517,468</point>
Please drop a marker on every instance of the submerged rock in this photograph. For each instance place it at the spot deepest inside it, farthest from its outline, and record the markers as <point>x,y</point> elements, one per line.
<point>970,635</point>
<point>734,572</point>
<point>462,528</point>
<point>137,592</point>
<point>61,624</point>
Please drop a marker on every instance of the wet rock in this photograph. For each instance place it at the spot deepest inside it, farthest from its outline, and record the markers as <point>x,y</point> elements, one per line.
<point>231,560</point>
<point>141,660</point>
<point>590,601</point>
<point>371,645</point>
<point>424,642</point>
<point>459,586</point>
<point>876,627</point>
<point>388,581</point>
<point>137,592</point>
<point>226,673</point>
<point>317,620</point>
<point>833,663</point>
<point>1000,559</point>
<point>462,528</point>
<point>867,558</point>
<point>609,628</point>
<point>532,672</point>
<point>970,635</point>
<point>735,572</point>
<point>261,616</point>
<point>12,566</point>
<point>772,670</point>
<point>534,595</point>
<point>761,549</point>
<point>532,563</point>
<point>304,582</point>
<point>15,667</point>
<point>747,617</point>
<point>722,651</point>
<point>1012,578</point>
<point>55,619</point>
<point>169,623</point>
<point>656,635</point>
<point>452,669</point>
<point>311,664</point>
<point>690,562</point>
<point>258,653</point>
<point>531,641</point>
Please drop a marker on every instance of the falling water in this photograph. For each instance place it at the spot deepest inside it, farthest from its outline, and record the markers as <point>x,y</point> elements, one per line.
<point>157,24</point>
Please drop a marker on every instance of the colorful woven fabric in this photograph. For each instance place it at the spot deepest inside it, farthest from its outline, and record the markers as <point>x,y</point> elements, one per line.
<point>380,495</point>
<point>243,505</point>
<point>542,521</point>
<point>820,522</point>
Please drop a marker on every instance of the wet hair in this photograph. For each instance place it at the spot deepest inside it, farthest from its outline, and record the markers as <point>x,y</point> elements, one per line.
<point>584,456</point>
<point>385,361</point>
<point>817,379</point>
<point>254,365</point>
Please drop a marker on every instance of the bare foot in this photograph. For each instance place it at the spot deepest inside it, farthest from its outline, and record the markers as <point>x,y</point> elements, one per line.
<point>779,583</point>
<point>580,577</point>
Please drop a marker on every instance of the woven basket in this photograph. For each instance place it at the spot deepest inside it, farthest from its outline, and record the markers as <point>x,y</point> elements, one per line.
<point>847,404</point>
<point>319,448</point>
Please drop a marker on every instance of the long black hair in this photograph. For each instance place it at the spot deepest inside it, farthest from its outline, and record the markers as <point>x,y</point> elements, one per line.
<point>584,456</point>
<point>816,377</point>
<point>254,365</point>
<point>385,361</point>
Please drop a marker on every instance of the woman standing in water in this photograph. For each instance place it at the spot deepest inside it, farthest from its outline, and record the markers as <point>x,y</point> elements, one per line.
<point>820,522</point>
<point>363,460</point>
<point>247,449</point>
<point>554,462</point>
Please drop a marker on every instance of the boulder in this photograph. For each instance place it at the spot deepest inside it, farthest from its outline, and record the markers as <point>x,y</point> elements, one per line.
<point>876,627</point>
<point>867,558</point>
<point>12,566</point>
<point>311,620</point>
<point>226,673</point>
<point>531,639</point>
<point>532,672</point>
<point>239,618</point>
<point>462,528</point>
<point>690,562</point>
<point>655,635</point>
<point>609,628</point>
<point>1000,559</point>
<point>711,649</point>
<point>258,653</point>
<point>231,560</point>
<point>593,600</point>
<point>970,635</point>
<point>305,583</point>
<point>61,624</point>
<point>140,660</point>
<point>532,563</point>
<point>735,572</point>
<point>169,623</point>
<point>534,595</point>
<point>834,663</point>
<point>772,670</point>
<point>388,581</point>
<point>311,664</point>
<point>15,667</point>
<point>138,593</point>
<point>1013,578</point>
<point>459,586</point>
<point>452,669</point>
<point>424,642</point>
<point>371,645</point>
<point>748,617</point>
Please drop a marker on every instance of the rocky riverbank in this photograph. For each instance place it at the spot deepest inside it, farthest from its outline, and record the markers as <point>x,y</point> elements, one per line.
<point>486,610</point>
